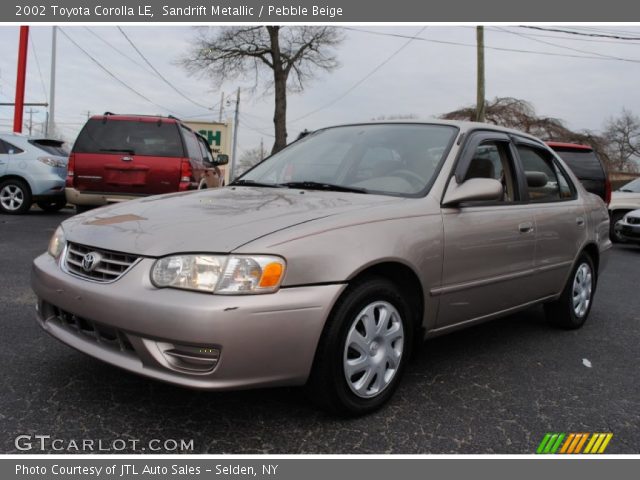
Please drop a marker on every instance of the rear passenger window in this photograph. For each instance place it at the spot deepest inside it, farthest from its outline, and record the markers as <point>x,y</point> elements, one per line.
<point>192,144</point>
<point>546,182</point>
<point>8,148</point>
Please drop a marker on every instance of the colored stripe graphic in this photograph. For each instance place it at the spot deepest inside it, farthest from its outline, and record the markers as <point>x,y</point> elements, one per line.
<point>573,443</point>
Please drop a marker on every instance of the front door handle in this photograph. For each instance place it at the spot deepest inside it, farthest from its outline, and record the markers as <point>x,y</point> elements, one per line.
<point>580,221</point>
<point>525,227</point>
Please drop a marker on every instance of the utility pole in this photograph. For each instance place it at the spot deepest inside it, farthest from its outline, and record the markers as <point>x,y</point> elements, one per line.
<point>221,107</point>
<point>480,88</point>
<point>52,85</point>
<point>235,137</point>
<point>261,148</point>
<point>31,112</point>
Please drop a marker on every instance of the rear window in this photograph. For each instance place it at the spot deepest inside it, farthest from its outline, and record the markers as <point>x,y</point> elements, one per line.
<point>584,163</point>
<point>52,147</point>
<point>158,139</point>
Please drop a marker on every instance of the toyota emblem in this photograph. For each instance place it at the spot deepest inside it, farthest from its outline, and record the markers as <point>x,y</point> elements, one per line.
<point>90,261</point>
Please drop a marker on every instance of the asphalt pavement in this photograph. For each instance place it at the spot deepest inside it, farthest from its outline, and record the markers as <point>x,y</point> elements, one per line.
<point>494,388</point>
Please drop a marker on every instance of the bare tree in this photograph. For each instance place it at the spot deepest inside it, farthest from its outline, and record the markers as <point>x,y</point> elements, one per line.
<point>520,115</point>
<point>248,159</point>
<point>291,55</point>
<point>623,141</point>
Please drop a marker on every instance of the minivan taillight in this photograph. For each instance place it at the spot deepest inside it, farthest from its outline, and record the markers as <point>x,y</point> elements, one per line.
<point>607,191</point>
<point>186,175</point>
<point>70,171</point>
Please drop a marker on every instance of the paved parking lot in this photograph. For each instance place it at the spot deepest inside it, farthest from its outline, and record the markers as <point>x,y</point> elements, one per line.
<point>495,388</point>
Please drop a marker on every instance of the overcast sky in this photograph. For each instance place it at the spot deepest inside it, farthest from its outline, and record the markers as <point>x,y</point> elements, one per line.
<point>425,78</point>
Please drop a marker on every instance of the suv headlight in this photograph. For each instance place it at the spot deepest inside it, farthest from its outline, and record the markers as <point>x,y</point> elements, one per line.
<point>220,274</point>
<point>57,243</point>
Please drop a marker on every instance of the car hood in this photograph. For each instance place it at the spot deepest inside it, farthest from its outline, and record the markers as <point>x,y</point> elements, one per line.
<point>215,220</point>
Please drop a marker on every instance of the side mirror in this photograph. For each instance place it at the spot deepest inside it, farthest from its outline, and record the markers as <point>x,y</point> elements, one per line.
<point>472,190</point>
<point>222,159</point>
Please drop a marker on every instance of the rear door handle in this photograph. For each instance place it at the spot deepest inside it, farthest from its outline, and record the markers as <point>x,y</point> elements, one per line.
<point>525,227</point>
<point>580,221</point>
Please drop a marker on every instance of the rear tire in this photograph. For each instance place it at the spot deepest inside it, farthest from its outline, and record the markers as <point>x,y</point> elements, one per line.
<point>615,218</point>
<point>363,350</point>
<point>15,197</point>
<point>52,205</point>
<point>572,308</point>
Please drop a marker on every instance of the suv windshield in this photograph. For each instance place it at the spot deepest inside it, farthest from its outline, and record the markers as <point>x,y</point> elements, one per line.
<point>150,138</point>
<point>633,186</point>
<point>390,159</point>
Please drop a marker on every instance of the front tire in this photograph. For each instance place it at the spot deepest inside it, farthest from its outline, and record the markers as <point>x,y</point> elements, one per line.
<point>15,197</point>
<point>364,349</point>
<point>572,308</point>
<point>615,218</point>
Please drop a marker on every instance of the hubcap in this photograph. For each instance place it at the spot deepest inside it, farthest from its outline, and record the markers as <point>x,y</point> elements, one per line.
<point>582,289</point>
<point>11,197</point>
<point>373,349</point>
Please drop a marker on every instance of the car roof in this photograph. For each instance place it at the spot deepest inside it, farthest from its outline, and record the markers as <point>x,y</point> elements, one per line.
<point>135,118</point>
<point>13,136</point>
<point>569,146</point>
<point>463,126</point>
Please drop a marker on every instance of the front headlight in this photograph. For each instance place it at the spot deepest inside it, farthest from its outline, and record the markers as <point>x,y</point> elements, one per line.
<point>57,243</point>
<point>221,274</point>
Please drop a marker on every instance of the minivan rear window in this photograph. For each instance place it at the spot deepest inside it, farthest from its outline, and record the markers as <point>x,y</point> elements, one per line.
<point>584,163</point>
<point>158,139</point>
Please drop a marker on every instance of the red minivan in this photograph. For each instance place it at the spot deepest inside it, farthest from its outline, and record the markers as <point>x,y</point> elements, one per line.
<point>120,157</point>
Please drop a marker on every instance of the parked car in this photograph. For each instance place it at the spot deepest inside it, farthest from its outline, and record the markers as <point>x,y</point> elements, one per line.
<point>327,263</point>
<point>587,166</point>
<point>628,227</point>
<point>623,201</point>
<point>121,157</point>
<point>32,170</point>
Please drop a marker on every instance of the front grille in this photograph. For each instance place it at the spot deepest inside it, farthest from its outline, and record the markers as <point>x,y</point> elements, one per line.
<point>633,220</point>
<point>106,336</point>
<point>109,267</point>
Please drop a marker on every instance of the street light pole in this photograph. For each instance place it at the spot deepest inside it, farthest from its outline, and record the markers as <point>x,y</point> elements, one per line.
<point>21,79</point>
<point>480,89</point>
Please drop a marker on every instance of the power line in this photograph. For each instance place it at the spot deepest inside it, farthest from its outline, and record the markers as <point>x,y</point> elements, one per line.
<point>35,55</point>
<point>108,72</point>
<point>594,34</point>
<point>116,49</point>
<point>363,79</point>
<point>610,57</point>
<point>502,49</point>
<point>561,37</point>
<point>162,77</point>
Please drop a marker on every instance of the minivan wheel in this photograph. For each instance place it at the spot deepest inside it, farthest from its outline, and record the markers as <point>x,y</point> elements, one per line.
<point>615,218</point>
<point>52,205</point>
<point>364,349</point>
<point>571,310</point>
<point>15,197</point>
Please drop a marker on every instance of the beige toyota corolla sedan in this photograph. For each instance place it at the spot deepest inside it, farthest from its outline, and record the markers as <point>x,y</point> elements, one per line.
<point>329,262</point>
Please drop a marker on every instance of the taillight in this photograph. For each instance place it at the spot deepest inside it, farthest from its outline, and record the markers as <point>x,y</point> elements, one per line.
<point>186,175</point>
<point>607,191</point>
<point>70,171</point>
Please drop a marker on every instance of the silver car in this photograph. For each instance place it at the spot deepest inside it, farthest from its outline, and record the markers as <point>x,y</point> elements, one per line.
<point>32,170</point>
<point>329,262</point>
<point>628,227</point>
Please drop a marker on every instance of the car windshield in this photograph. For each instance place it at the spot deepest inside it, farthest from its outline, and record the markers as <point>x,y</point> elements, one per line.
<point>633,186</point>
<point>150,138</point>
<point>389,159</point>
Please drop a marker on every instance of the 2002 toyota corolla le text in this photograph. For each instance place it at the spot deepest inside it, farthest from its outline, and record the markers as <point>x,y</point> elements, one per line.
<point>328,262</point>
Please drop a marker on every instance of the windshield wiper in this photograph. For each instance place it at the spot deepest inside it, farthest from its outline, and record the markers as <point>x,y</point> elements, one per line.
<point>253,183</point>
<point>308,185</point>
<point>119,150</point>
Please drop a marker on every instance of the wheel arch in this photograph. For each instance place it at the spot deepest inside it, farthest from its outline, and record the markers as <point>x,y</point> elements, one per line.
<point>13,176</point>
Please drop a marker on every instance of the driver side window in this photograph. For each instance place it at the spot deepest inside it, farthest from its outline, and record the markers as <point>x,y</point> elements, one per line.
<point>492,160</point>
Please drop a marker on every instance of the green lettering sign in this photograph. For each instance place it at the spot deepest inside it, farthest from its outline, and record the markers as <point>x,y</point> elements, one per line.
<point>211,137</point>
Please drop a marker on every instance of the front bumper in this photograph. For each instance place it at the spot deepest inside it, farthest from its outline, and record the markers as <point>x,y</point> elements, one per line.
<point>627,231</point>
<point>260,340</point>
